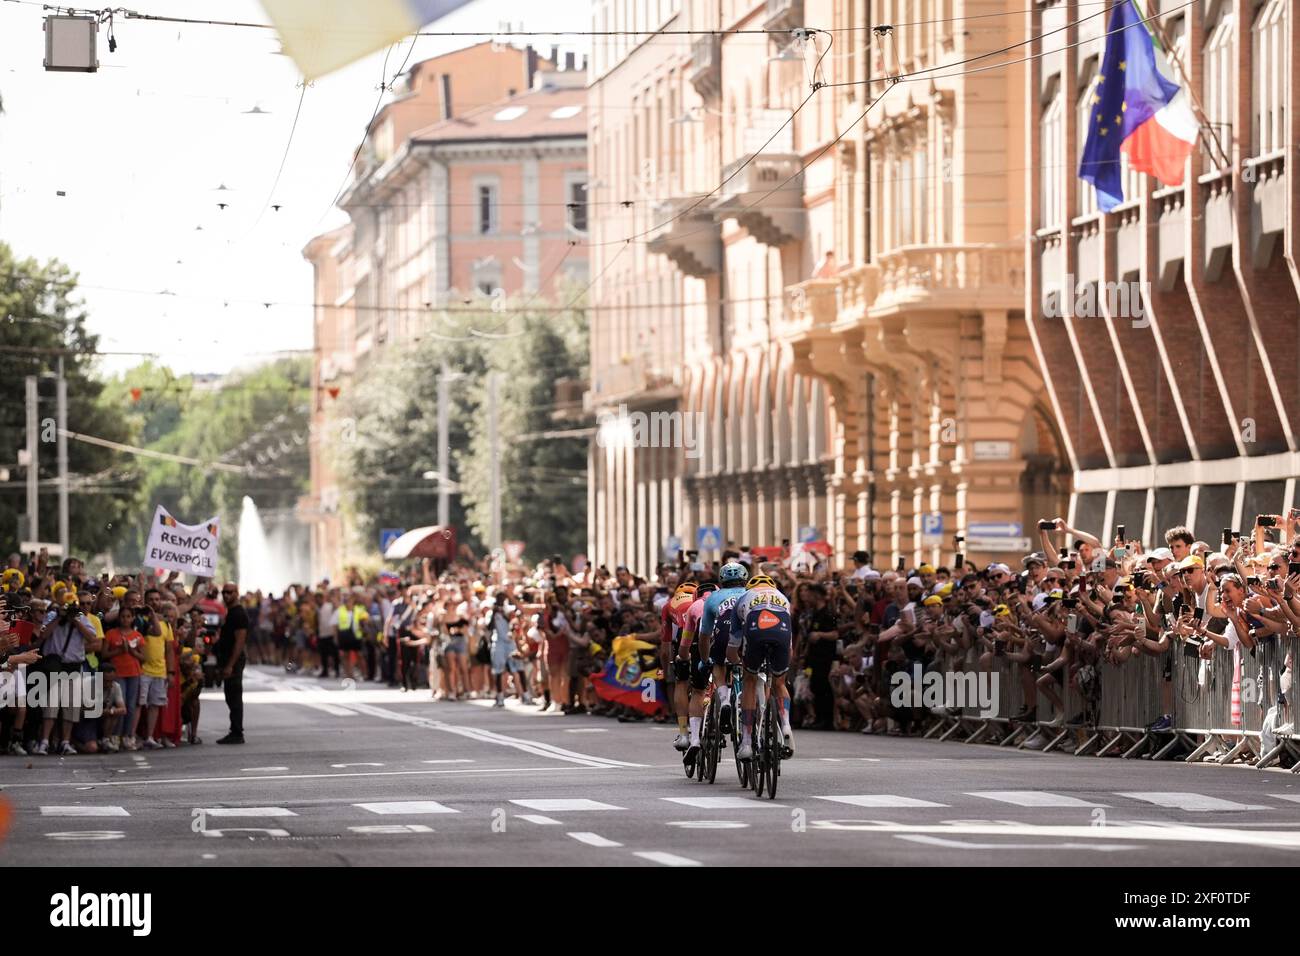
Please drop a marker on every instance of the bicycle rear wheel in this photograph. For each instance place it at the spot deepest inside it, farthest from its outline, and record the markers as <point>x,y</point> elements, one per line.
<point>772,743</point>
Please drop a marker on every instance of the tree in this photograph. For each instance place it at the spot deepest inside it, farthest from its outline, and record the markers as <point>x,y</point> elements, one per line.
<point>42,323</point>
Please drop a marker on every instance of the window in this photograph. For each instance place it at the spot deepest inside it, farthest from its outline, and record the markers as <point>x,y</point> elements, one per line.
<point>576,205</point>
<point>1087,197</point>
<point>1051,136</point>
<point>1219,81</point>
<point>1269,69</point>
<point>487,208</point>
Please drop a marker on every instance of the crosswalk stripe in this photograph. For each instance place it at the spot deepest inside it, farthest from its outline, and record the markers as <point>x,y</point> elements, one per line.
<point>1179,800</point>
<point>405,807</point>
<point>1033,798</point>
<point>248,812</point>
<point>667,859</point>
<point>561,806</point>
<point>537,818</point>
<point>882,800</point>
<point>722,803</point>
<point>1293,797</point>
<point>84,812</point>
<point>593,839</point>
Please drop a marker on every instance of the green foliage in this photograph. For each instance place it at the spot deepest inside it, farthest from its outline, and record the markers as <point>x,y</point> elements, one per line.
<point>41,321</point>
<point>395,400</point>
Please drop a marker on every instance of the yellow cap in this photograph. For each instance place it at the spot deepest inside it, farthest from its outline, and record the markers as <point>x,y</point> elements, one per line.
<point>1002,611</point>
<point>119,592</point>
<point>945,589</point>
<point>933,601</point>
<point>926,569</point>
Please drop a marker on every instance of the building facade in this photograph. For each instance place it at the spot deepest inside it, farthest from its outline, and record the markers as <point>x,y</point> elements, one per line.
<point>830,281</point>
<point>469,188</point>
<point>1178,402</point>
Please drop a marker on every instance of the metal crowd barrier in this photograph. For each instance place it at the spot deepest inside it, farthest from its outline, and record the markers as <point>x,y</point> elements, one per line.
<point>1133,697</point>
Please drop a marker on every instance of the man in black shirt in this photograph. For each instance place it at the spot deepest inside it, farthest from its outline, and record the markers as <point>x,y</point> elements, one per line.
<point>819,625</point>
<point>230,660</point>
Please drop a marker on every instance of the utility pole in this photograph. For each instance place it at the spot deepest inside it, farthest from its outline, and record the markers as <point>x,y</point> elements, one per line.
<point>444,444</point>
<point>494,446</point>
<point>61,412</point>
<point>33,459</point>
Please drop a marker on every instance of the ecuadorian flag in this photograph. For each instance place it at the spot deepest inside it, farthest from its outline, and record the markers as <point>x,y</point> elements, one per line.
<point>1137,109</point>
<point>323,35</point>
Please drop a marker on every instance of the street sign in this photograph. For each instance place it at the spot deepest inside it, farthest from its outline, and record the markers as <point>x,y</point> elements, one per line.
<point>808,533</point>
<point>931,529</point>
<point>514,549</point>
<point>997,544</point>
<point>708,537</point>
<point>990,529</point>
<point>672,544</point>
<point>387,536</point>
<point>991,450</point>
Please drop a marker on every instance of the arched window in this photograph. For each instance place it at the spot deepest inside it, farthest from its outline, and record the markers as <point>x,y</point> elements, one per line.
<point>1269,70</point>
<point>1219,85</point>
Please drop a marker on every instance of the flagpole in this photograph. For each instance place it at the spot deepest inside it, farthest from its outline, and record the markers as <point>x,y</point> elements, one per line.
<point>1206,130</point>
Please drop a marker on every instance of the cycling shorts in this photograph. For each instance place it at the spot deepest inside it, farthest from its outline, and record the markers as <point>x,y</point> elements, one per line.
<point>766,637</point>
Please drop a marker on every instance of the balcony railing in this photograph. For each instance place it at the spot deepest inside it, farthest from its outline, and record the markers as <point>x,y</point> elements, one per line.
<point>943,277</point>
<point>783,14</point>
<point>706,65</point>
<point>688,233</point>
<point>763,192</point>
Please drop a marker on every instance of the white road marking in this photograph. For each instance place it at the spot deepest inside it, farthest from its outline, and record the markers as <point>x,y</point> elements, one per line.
<point>667,859</point>
<point>564,805</point>
<point>73,836</point>
<point>343,766</point>
<point>304,776</point>
<point>1033,798</point>
<point>1293,797</point>
<point>1196,802</point>
<point>593,839</point>
<point>963,845</point>
<point>882,800</point>
<point>708,824</point>
<point>722,803</point>
<point>537,818</point>
<point>262,769</point>
<point>248,812</point>
<point>265,831</point>
<point>491,737</point>
<point>847,759</point>
<point>1146,833</point>
<point>587,730</point>
<point>457,760</point>
<point>392,829</point>
<point>84,812</point>
<point>406,807</point>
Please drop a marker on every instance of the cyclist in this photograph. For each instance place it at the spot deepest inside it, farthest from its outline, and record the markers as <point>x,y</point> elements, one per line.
<point>761,623</point>
<point>691,669</point>
<point>715,629</point>
<point>673,617</point>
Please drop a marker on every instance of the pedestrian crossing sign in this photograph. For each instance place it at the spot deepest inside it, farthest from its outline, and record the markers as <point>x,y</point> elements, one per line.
<point>709,538</point>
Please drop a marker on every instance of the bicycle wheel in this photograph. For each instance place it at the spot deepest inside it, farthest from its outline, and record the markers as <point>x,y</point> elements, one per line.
<point>772,743</point>
<point>712,738</point>
<point>757,771</point>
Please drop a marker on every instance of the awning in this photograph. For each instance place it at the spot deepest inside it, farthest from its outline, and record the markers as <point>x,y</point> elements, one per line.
<point>434,542</point>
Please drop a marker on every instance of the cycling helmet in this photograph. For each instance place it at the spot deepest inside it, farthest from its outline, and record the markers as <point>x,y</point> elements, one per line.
<point>733,572</point>
<point>706,588</point>
<point>686,587</point>
<point>760,581</point>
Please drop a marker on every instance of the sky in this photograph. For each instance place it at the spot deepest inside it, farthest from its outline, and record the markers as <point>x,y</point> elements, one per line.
<point>140,149</point>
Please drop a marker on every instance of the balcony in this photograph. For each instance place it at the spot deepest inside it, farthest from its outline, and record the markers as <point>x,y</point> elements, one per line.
<point>783,14</point>
<point>705,72</point>
<point>692,240</point>
<point>763,192</point>
<point>950,278</point>
<point>634,379</point>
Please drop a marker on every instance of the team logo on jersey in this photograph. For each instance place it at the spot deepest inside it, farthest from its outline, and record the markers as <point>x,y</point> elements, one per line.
<point>767,619</point>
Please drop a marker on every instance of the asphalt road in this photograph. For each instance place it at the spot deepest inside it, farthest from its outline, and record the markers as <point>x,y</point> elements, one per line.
<point>369,776</point>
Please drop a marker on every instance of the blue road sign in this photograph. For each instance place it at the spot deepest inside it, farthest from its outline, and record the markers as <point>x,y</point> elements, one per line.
<point>387,536</point>
<point>807,533</point>
<point>672,544</point>
<point>932,525</point>
<point>708,538</point>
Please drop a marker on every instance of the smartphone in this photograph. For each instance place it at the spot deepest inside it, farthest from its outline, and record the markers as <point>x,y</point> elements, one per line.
<point>1119,554</point>
<point>1227,537</point>
<point>910,614</point>
<point>1293,514</point>
<point>1198,613</point>
<point>1047,526</point>
<point>1119,533</point>
<point>1292,568</point>
<point>1253,579</point>
<point>959,563</point>
<point>1072,624</point>
<point>692,554</point>
<point>1266,521</point>
<point>1070,602</point>
<point>902,566</point>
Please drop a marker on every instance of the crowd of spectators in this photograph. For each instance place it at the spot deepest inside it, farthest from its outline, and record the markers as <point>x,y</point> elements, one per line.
<point>541,636</point>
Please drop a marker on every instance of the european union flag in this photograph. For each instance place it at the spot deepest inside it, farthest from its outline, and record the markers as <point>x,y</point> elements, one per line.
<point>1130,92</point>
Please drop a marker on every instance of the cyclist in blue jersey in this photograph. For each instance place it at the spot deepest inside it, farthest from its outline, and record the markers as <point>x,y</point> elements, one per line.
<point>760,622</point>
<point>715,630</point>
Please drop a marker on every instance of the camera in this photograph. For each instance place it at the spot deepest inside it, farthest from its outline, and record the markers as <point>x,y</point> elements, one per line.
<point>1266,521</point>
<point>1047,526</point>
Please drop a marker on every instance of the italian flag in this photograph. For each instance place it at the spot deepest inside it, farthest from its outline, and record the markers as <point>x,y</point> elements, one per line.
<point>1161,145</point>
